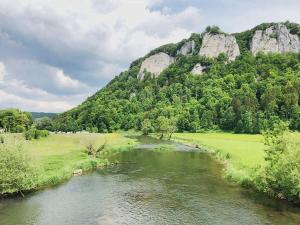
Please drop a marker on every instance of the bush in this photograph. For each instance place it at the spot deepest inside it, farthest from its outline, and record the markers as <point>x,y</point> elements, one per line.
<point>280,176</point>
<point>36,134</point>
<point>16,174</point>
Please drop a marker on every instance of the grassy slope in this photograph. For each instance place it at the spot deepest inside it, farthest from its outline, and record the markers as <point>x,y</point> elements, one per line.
<point>57,156</point>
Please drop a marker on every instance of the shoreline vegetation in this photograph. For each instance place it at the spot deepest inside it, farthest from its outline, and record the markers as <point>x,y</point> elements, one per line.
<point>50,161</point>
<point>46,162</point>
<point>245,160</point>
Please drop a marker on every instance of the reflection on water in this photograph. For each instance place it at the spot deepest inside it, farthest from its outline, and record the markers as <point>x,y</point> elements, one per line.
<point>149,187</point>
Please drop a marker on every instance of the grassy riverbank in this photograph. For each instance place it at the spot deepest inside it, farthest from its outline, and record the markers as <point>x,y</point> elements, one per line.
<point>56,157</point>
<point>242,153</point>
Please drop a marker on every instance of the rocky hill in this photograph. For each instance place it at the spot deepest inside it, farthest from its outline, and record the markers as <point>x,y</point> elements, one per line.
<point>244,82</point>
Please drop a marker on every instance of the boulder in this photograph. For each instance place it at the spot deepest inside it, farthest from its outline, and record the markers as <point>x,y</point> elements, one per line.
<point>215,44</point>
<point>198,69</point>
<point>155,64</point>
<point>275,39</point>
<point>187,48</point>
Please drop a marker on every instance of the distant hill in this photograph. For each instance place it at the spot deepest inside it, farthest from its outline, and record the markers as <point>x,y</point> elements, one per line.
<point>242,82</point>
<point>37,115</point>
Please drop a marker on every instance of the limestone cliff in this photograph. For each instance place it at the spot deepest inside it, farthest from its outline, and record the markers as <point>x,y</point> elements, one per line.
<point>276,38</point>
<point>215,44</point>
<point>187,48</point>
<point>155,64</point>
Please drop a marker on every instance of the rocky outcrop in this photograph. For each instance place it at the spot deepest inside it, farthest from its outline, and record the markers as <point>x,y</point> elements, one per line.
<point>198,69</point>
<point>155,64</point>
<point>187,48</point>
<point>276,39</point>
<point>215,44</point>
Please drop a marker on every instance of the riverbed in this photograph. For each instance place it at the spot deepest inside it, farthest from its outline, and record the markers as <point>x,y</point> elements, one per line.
<point>156,183</point>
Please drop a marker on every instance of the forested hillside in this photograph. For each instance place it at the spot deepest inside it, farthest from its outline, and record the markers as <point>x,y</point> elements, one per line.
<point>248,86</point>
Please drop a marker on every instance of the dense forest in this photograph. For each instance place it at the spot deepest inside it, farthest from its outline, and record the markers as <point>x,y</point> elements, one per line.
<point>247,95</point>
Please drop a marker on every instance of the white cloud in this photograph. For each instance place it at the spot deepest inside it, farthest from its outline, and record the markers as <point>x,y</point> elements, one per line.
<point>2,71</point>
<point>12,101</point>
<point>61,49</point>
<point>65,81</point>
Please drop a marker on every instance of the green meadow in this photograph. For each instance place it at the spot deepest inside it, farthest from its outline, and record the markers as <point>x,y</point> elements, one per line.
<point>56,157</point>
<point>241,153</point>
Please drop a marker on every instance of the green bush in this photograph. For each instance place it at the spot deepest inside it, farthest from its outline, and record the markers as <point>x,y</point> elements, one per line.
<point>280,176</point>
<point>36,134</point>
<point>16,174</point>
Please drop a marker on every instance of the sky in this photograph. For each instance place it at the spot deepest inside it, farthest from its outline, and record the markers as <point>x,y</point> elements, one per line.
<point>56,53</point>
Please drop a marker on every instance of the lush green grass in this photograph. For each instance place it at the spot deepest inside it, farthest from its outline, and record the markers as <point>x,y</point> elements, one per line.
<point>57,156</point>
<point>241,152</point>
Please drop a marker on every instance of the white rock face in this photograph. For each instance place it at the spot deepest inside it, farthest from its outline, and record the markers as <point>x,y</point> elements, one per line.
<point>276,39</point>
<point>198,69</point>
<point>215,44</point>
<point>187,48</point>
<point>155,64</point>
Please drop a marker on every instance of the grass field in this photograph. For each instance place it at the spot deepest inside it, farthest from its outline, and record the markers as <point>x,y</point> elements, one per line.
<point>57,156</point>
<point>241,152</point>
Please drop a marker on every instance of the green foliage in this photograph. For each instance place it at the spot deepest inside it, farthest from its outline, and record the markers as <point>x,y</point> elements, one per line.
<point>16,174</point>
<point>166,127</point>
<point>35,134</point>
<point>147,127</point>
<point>15,121</point>
<point>248,95</point>
<point>44,123</point>
<point>280,176</point>
<point>213,30</point>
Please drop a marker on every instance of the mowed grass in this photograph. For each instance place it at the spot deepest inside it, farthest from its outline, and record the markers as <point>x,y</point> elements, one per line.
<point>244,151</point>
<point>57,156</point>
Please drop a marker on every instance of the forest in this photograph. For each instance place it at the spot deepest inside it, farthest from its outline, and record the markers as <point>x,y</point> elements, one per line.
<point>248,95</point>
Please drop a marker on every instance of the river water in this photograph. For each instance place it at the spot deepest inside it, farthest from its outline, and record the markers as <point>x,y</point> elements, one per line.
<point>149,187</point>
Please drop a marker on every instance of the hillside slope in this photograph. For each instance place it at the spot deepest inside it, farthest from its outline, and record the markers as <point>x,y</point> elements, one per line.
<point>243,82</point>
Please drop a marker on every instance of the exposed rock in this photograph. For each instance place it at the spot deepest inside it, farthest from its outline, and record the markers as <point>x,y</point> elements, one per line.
<point>187,48</point>
<point>276,39</point>
<point>215,44</point>
<point>155,64</point>
<point>198,69</point>
<point>77,172</point>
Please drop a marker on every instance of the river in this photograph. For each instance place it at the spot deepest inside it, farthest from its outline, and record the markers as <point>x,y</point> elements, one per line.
<point>148,186</point>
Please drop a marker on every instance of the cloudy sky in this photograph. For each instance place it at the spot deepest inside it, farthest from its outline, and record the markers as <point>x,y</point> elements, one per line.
<point>56,53</point>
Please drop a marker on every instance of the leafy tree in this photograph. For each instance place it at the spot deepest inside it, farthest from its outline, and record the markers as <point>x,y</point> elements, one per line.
<point>280,176</point>
<point>146,127</point>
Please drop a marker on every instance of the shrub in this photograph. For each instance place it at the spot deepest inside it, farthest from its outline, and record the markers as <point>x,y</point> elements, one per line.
<point>280,176</point>
<point>36,134</point>
<point>16,174</point>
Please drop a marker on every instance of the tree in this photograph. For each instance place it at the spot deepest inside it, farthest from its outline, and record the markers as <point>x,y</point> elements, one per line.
<point>280,176</point>
<point>166,127</point>
<point>146,127</point>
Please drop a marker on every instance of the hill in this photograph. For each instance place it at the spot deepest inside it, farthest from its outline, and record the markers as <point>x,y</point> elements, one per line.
<point>243,82</point>
<point>38,115</point>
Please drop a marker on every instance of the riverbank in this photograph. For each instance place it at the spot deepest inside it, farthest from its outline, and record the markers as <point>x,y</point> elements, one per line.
<point>241,153</point>
<point>55,158</point>
<point>243,156</point>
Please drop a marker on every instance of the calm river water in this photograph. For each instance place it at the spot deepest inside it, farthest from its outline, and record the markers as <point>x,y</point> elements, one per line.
<point>149,187</point>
